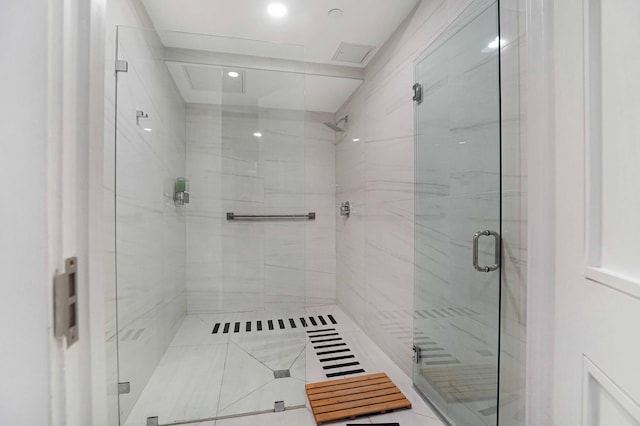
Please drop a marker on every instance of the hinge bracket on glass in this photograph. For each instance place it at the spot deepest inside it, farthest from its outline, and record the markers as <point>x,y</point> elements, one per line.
<point>124,388</point>
<point>122,65</point>
<point>417,356</point>
<point>417,93</point>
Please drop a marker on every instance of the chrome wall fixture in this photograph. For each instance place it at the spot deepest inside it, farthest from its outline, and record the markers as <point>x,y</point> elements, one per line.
<point>308,216</point>
<point>140,114</point>
<point>336,126</point>
<point>345,209</point>
<point>181,194</point>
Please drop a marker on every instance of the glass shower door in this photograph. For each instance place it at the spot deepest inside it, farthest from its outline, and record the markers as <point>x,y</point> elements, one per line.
<point>210,300</point>
<point>263,241</point>
<point>458,194</point>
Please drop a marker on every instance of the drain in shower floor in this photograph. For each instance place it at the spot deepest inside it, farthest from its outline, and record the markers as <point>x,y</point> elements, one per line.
<point>279,324</point>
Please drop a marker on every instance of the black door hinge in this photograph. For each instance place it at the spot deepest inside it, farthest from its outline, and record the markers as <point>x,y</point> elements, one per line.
<point>417,93</point>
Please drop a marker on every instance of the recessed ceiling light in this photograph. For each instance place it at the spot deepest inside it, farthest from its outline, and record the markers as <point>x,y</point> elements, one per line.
<point>257,134</point>
<point>147,129</point>
<point>277,10</point>
<point>233,74</point>
<point>356,140</point>
<point>335,13</point>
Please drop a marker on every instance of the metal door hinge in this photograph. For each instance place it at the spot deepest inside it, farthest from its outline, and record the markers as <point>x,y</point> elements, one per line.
<point>417,93</point>
<point>122,65</point>
<point>65,302</point>
<point>417,356</point>
<point>124,387</point>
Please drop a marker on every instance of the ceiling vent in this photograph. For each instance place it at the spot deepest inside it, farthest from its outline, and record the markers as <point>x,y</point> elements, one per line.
<point>213,79</point>
<point>353,53</point>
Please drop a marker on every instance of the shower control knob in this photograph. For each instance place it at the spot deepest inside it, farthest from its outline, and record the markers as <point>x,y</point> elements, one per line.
<point>345,209</point>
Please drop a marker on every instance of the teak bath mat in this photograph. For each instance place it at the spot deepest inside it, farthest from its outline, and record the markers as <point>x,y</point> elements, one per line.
<point>357,396</point>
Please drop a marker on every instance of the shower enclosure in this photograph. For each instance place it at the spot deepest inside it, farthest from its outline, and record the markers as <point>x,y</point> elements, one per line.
<point>210,226</point>
<point>458,219</point>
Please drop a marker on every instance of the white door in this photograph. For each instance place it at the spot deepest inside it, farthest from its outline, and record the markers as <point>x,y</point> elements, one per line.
<point>597,137</point>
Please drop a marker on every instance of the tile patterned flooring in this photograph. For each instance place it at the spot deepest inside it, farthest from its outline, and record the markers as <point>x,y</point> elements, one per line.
<point>205,375</point>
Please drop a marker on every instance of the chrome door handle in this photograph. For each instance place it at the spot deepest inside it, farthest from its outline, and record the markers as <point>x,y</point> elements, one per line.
<point>476,237</point>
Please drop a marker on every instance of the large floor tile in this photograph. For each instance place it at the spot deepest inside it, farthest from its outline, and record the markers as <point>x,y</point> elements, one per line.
<point>184,386</point>
<point>206,376</point>
<point>243,375</point>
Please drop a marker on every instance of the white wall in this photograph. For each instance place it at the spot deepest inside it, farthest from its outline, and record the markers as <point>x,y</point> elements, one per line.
<point>49,134</point>
<point>594,67</point>
<point>24,315</point>
<point>240,266</point>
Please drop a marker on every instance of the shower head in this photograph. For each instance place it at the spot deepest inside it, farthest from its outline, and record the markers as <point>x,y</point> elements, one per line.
<point>336,126</point>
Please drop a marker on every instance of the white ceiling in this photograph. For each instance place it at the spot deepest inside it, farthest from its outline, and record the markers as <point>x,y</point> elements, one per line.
<point>366,22</point>
<point>207,84</point>
<point>276,56</point>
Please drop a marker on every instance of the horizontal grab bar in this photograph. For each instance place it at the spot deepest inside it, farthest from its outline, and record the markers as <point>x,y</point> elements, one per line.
<point>233,216</point>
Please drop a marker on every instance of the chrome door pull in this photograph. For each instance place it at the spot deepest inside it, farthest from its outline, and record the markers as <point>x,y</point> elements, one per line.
<point>476,237</point>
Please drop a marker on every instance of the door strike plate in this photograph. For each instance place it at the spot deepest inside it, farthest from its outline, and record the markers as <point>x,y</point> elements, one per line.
<point>65,299</point>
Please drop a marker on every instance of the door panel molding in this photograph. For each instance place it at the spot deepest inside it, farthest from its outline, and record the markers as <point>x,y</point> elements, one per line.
<point>604,221</point>
<point>614,280</point>
<point>598,389</point>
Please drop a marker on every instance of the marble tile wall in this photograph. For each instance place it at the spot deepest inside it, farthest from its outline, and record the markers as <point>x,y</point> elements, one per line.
<point>204,213</point>
<point>320,197</point>
<point>242,266</point>
<point>375,172</point>
<point>375,246</point>
<point>150,228</point>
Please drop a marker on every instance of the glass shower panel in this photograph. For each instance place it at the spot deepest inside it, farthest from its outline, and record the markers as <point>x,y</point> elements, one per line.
<point>263,256</point>
<point>149,225</point>
<point>457,304</point>
<point>206,305</point>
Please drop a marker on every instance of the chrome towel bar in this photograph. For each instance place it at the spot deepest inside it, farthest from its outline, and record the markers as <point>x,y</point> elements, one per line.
<point>308,216</point>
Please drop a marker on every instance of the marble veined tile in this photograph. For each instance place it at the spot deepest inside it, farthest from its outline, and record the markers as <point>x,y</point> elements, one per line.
<point>290,390</point>
<point>185,385</point>
<point>320,288</point>
<point>296,417</point>
<point>276,351</point>
<point>304,417</point>
<point>244,374</point>
<point>197,330</point>
<point>299,367</point>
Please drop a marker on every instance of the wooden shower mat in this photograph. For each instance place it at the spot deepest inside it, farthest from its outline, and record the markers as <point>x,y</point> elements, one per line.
<point>357,396</point>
